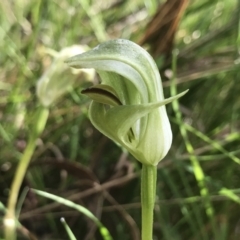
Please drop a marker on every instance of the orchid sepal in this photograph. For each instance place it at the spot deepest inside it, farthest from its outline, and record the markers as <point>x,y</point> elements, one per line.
<point>117,122</point>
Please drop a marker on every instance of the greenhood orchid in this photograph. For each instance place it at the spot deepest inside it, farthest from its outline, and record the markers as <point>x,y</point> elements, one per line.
<point>128,106</point>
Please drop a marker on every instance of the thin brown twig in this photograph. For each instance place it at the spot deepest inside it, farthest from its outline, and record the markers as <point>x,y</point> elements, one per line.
<point>132,224</point>
<point>77,196</point>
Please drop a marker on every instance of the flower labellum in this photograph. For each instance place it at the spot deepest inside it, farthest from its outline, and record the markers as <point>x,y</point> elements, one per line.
<point>128,106</point>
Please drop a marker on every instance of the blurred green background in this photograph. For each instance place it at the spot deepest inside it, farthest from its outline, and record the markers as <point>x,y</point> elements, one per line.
<point>198,189</point>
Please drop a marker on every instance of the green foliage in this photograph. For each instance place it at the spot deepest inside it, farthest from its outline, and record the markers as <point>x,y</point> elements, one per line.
<point>86,212</point>
<point>72,158</point>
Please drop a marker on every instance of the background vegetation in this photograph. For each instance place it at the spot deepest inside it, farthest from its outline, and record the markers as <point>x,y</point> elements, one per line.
<point>198,182</point>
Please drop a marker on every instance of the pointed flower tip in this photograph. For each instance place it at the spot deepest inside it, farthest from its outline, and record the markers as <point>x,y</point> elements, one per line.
<point>73,61</point>
<point>69,60</point>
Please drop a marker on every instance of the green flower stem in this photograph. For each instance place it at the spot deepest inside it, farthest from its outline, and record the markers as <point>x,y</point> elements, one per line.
<point>10,217</point>
<point>148,193</point>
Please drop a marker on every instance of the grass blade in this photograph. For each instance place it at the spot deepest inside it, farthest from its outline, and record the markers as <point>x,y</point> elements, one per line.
<point>68,229</point>
<point>103,230</point>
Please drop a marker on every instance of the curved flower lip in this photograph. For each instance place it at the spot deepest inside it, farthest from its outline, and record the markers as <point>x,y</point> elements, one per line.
<point>131,86</point>
<point>103,94</point>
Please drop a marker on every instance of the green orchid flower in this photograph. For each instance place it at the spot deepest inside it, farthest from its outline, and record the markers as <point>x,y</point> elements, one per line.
<point>128,106</point>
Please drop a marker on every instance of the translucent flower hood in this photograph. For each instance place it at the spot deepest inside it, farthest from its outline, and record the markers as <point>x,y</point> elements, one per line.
<point>128,106</point>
